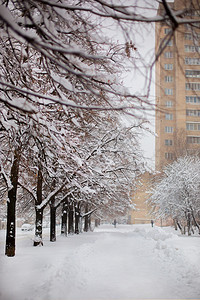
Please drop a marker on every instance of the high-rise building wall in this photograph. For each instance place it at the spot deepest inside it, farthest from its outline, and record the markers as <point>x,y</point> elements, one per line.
<point>178,86</point>
<point>142,213</point>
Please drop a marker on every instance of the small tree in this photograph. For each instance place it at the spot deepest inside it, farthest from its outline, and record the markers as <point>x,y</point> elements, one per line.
<point>176,194</point>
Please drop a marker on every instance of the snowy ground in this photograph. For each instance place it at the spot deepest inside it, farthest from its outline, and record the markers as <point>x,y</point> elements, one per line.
<point>127,262</point>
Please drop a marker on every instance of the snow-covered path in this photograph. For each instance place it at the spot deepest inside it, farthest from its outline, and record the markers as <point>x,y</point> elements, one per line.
<point>127,262</point>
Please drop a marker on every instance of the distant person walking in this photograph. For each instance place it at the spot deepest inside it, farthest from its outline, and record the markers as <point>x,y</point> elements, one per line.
<point>152,223</point>
<point>115,223</point>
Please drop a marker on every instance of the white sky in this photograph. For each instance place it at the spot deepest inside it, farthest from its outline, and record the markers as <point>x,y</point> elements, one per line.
<point>137,80</point>
<point>137,84</point>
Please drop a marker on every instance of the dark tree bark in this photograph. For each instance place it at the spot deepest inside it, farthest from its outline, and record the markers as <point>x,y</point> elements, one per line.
<point>180,227</point>
<point>194,220</point>
<point>86,221</point>
<point>175,224</point>
<point>71,218</point>
<point>38,227</point>
<point>11,206</point>
<point>188,218</point>
<point>38,211</point>
<point>77,219</point>
<point>52,223</point>
<point>53,214</point>
<point>64,219</point>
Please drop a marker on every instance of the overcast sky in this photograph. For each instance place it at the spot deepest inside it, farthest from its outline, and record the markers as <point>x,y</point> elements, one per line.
<point>138,77</point>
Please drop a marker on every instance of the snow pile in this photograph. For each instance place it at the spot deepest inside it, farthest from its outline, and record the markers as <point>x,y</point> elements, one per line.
<point>160,235</point>
<point>172,256</point>
<point>127,262</point>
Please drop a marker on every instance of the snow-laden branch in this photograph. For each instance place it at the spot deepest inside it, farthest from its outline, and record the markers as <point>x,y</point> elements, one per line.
<point>89,212</point>
<point>27,189</point>
<point>120,12</point>
<point>65,102</point>
<point>51,196</point>
<point>101,145</point>
<point>6,178</point>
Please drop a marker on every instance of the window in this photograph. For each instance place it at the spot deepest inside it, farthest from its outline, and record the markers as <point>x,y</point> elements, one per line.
<point>167,30</point>
<point>168,142</point>
<point>166,42</point>
<point>168,104</point>
<point>168,66</point>
<point>168,54</point>
<point>169,43</point>
<point>193,139</point>
<point>192,73</point>
<point>193,126</point>
<point>192,12</point>
<point>168,117</point>
<point>168,129</point>
<point>192,61</point>
<point>168,91</point>
<point>189,126</point>
<point>188,36</point>
<point>192,99</point>
<point>169,156</point>
<point>191,48</point>
<point>187,26</point>
<point>194,86</point>
<point>191,27</point>
<point>168,78</point>
<point>192,113</point>
<point>192,36</point>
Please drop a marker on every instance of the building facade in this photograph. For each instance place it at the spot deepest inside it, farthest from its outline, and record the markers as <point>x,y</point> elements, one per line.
<point>178,86</point>
<point>141,214</point>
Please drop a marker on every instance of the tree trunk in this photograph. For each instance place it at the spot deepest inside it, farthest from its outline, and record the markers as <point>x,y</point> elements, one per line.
<point>184,229</point>
<point>38,227</point>
<point>71,219</point>
<point>77,219</point>
<point>195,222</point>
<point>97,222</point>
<point>53,212</point>
<point>86,221</point>
<point>175,224</point>
<point>189,223</point>
<point>52,223</point>
<point>90,223</point>
<point>11,223</point>
<point>64,219</point>
<point>86,224</point>
<point>179,226</point>
<point>11,206</point>
<point>38,211</point>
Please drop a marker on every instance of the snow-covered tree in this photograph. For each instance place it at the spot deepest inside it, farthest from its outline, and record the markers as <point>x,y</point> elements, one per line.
<point>176,194</point>
<point>67,44</point>
<point>50,161</point>
<point>60,83</point>
<point>60,55</point>
<point>109,160</point>
<point>14,135</point>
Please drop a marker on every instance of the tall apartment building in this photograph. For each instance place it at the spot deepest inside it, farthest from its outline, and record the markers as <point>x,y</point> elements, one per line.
<point>178,86</point>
